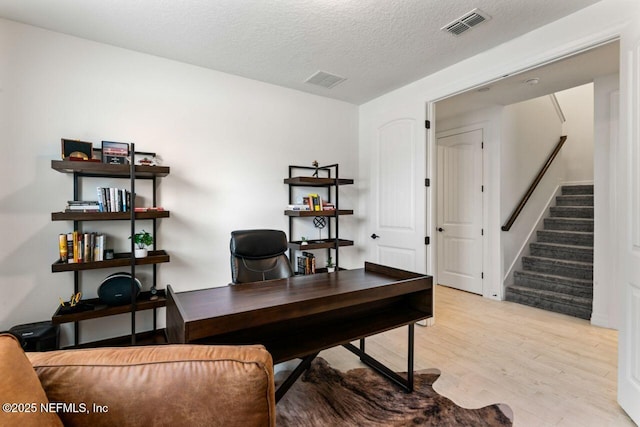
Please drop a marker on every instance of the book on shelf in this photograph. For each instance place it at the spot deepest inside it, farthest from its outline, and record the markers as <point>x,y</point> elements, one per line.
<point>298,207</point>
<point>114,199</point>
<point>307,263</point>
<point>76,247</point>
<point>314,202</point>
<point>82,206</point>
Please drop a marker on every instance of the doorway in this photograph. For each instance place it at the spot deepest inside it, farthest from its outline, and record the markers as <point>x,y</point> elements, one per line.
<point>459,209</point>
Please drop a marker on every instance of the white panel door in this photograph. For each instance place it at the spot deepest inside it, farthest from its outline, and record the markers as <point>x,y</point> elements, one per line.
<point>459,211</point>
<point>628,219</point>
<point>398,218</point>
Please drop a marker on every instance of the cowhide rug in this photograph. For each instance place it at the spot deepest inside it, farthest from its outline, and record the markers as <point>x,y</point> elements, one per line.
<point>324,396</point>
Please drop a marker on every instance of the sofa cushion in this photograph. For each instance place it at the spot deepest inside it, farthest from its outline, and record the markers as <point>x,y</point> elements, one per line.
<point>20,389</point>
<point>170,385</point>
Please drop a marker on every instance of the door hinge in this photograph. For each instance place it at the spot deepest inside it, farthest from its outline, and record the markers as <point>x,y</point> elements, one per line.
<point>427,124</point>
<point>427,182</point>
<point>427,240</point>
<point>482,275</point>
<point>482,231</point>
<point>482,188</point>
<point>482,145</point>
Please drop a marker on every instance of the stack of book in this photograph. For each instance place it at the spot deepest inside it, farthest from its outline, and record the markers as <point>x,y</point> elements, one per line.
<point>298,207</point>
<point>76,247</point>
<point>82,206</point>
<point>307,263</point>
<point>114,199</point>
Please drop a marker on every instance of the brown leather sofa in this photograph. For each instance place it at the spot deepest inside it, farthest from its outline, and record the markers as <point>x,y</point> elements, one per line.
<point>170,385</point>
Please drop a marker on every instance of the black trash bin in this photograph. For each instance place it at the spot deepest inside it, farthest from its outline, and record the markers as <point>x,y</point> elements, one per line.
<point>38,336</point>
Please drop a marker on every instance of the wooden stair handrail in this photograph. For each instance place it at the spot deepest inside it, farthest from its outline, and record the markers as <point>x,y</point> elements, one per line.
<point>514,215</point>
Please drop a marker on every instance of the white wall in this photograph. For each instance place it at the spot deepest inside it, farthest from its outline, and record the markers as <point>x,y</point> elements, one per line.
<point>530,131</point>
<point>577,153</point>
<point>228,141</point>
<point>606,294</point>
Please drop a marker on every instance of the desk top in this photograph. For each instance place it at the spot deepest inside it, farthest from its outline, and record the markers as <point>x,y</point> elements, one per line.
<point>198,314</point>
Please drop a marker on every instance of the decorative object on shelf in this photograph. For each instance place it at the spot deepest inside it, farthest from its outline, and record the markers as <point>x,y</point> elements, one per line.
<point>73,149</point>
<point>115,153</point>
<point>315,165</point>
<point>108,254</point>
<point>303,241</point>
<point>330,265</point>
<point>154,293</point>
<point>146,159</point>
<point>115,289</point>
<point>142,239</point>
<point>74,305</point>
<point>319,222</point>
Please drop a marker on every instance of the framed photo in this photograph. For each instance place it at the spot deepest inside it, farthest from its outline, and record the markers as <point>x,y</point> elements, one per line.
<point>76,150</point>
<point>115,153</point>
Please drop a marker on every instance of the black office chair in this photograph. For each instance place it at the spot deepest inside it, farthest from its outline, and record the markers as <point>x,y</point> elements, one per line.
<point>258,255</point>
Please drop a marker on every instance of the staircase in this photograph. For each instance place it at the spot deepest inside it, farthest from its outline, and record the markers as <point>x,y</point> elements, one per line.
<point>558,275</point>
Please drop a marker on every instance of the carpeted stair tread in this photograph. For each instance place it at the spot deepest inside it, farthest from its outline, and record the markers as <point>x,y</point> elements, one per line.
<point>571,211</point>
<point>554,283</point>
<point>560,267</point>
<point>575,200</point>
<point>569,224</point>
<point>556,278</point>
<point>551,301</point>
<point>576,238</point>
<point>562,251</point>
<point>576,189</point>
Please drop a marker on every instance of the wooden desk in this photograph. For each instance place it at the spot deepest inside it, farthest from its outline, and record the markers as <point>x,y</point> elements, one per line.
<point>302,315</point>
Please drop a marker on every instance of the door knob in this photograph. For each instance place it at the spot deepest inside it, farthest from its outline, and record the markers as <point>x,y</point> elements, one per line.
<point>440,229</point>
<point>374,236</point>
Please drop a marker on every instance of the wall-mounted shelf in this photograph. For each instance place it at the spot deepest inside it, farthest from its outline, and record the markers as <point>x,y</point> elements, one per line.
<point>143,302</point>
<point>106,216</point>
<point>119,260</point>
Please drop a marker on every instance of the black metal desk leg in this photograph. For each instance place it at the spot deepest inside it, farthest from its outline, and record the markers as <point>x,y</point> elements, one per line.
<point>410,357</point>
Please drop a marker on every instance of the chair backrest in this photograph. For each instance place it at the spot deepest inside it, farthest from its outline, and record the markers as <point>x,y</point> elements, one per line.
<point>258,255</point>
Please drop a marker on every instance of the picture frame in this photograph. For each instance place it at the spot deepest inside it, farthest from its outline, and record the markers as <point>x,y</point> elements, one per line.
<point>74,149</point>
<point>115,153</point>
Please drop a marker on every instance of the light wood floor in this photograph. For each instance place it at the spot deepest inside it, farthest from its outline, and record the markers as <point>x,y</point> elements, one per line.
<point>551,369</point>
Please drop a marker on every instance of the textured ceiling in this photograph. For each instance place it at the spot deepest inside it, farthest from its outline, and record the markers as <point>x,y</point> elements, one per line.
<point>378,45</point>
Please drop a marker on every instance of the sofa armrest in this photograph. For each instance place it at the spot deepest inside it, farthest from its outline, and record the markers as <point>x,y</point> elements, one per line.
<point>172,385</point>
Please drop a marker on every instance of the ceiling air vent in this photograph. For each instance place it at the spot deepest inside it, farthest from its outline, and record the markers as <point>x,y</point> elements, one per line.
<point>466,22</point>
<point>326,80</point>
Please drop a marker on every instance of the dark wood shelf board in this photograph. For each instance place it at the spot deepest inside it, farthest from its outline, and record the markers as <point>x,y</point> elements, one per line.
<point>106,216</point>
<point>157,337</point>
<point>310,181</point>
<point>319,244</point>
<point>102,310</point>
<point>120,260</point>
<point>107,170</point>
<point>319,213</point>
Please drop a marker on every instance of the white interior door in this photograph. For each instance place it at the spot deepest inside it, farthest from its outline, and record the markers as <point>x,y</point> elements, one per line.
<point>398,200</point>
<point>459,211</point>
<point>628,220</point>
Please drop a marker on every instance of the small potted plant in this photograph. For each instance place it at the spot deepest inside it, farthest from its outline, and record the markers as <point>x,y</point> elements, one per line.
<point>142,240</point>
<point>330,265</point>
<point>304,241</point>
